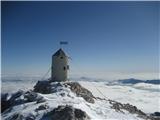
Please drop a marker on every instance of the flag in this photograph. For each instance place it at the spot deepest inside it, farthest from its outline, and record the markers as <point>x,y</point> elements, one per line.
<point>63,42</point>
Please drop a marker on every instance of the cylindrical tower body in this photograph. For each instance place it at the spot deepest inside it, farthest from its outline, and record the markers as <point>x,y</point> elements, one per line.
<point>59,67</point>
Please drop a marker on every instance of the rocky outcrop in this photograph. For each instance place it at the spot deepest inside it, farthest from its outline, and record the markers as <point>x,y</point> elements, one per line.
<point>5,103</point>
<point>131,109</point>
<point>42,107</point>
<point>18,116</point>
<point>20,97</point>
<point>64,95</point>
<point>81,91</point>
<point>66,113</point>
<point>47,87</point>
<point>9,100</point>
<point>43,87</point>
<point>156,115</point>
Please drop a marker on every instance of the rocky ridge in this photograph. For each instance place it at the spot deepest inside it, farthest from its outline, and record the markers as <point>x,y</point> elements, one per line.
<point>63,101</point>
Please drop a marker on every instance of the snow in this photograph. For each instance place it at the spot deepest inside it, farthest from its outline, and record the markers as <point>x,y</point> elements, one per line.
<point>145,97</point>
<point>100,110</point>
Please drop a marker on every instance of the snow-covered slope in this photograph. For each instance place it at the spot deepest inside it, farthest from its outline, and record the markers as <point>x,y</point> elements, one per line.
<point>145,96</point>
<point>35,105</point>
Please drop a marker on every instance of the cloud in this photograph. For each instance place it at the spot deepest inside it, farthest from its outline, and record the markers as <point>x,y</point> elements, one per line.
<point>115,75</point>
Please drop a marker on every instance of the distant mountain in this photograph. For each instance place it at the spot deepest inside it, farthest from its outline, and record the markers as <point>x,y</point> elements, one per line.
<point>135,81</point>
<point>153,81</point>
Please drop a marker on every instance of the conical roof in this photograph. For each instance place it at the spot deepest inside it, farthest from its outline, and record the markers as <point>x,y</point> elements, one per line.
<point>59,52</point>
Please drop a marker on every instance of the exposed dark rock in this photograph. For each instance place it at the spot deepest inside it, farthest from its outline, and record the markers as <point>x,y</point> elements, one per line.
<point>62,112</point>
<point>131,109</point>
<point>156,115</point>
<point>30,96</point>
<point>81,91</point>
<point>5,104</point>
<point>42,107</point>
<point>16,95</point>
<point>30,117</point>
<point>18,98</point>
<point>46,87</point>
<point>56,87</point>
<point>43,87</point>
<point>66,113</point>
<point>40,100</point>
<point>16,116</point>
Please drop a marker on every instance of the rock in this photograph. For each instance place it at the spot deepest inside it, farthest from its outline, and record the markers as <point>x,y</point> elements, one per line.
<point>61,89</point>
<point>16,116</point>
<point>43,87</point>
<point>30,96</point>
<point>30,117</point>
<point>81,91</point>
<point>16,95</point>
<point>18,98</point>
<point>42,107</point>
<point>131,109</point>
<point>66,113</point>
<point>5,103</point>
<point>79,114</point>
<point>47,87</point>
<point>4,96</point>
<point>155,115</point>
<point>40,100</point>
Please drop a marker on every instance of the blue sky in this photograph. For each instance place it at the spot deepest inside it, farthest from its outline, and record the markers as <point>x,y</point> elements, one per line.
<point>110,39</point>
